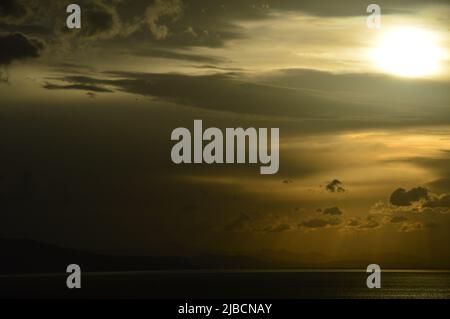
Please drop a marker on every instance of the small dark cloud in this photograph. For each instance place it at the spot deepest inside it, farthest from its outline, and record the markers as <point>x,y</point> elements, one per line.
<point>335,186</point>
<point>17,46</point>
<point>398,219</point>
<point>91,95</point>
<point>369,222</point>
<point>332,211</point>
<point>259,223</point>
<point>401,197</point>
<point>320,223</point>
<point>442,201</point>
<point>354,222</point>
<point>279,228</point>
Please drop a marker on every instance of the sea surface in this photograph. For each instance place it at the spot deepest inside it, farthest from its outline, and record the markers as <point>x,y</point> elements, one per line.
<point>235,284</point>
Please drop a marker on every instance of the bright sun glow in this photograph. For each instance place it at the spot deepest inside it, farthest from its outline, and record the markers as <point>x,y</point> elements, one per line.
<point>408,52</point>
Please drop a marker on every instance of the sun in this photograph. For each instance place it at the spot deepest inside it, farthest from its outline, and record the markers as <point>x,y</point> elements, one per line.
<point>408,52</point>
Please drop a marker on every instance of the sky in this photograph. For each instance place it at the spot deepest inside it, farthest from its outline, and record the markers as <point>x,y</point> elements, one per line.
<point>87,115</point>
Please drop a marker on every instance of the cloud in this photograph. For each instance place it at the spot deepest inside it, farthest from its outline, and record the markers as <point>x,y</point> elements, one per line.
<point>17,46</point>
<point>398,219</point>
<point>260,223</point>
<point>279,228</point>
<point>335,186</point>
<point>410,227</point>
<point>441,201</point>
<point>13,11</point>
<point>348,7</point>
<point>319,107</point>
<point>160,9</point>
<point>332,211</point>
<point>320,223</point>
<point>417,225</point>
<point>100,20</point>
<point>369,222</point>
<point>401,197</point>
<point>83,87</point>
<point>176,55</point>
<point>227,92</point>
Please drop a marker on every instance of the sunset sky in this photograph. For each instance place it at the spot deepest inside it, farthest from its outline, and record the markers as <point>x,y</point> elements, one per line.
<point>86,117</point>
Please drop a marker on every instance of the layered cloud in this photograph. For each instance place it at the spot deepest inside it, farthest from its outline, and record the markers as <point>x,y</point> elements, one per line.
<point>234,92</point>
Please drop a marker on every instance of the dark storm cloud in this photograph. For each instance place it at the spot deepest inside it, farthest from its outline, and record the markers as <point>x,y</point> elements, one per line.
<point>17,47</point>
<point>332,211</point>
<point>335,186</point>
<point>402,197</point>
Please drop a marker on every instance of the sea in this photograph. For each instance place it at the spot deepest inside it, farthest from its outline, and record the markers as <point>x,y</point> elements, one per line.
<point>235,284</point>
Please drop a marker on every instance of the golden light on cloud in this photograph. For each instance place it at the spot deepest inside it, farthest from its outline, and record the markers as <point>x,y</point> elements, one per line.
<point>408,52</point>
